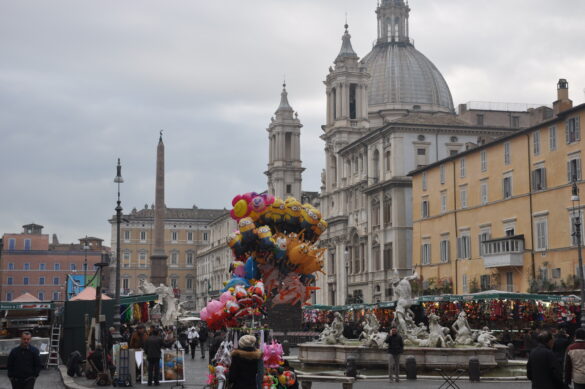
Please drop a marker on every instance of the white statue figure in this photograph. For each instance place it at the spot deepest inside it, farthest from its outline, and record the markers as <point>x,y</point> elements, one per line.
<point>463,332</point>
<point>404,319</point>
<point>335,331</point>
<point>170,307</point>
<point>442,333</point>
<point>485,337</point>
<point>371,336</point>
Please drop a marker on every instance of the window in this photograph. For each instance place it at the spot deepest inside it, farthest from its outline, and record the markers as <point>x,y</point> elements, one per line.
<point>425,209</point>
<point>126,259</point>
<point>387,211</point>
<point>41,296</point>
<point>125,283</point>
<point>387,159</point>
<point>539,179</point>
<point>10,266</point>
<point>27,244</point>
<point>424,181</point>
<point>9,296</point>
<point>425,254</point>
<point>375,213</point>
<point>483,192</point>
<point>388,256</point>
<point>25,281</point>
<point>190,236</point>
<point>464,247</point>
<point>189,259</point>
<point>443,201</point>
<point>556,272</point>
<point>515,122</point>
<point>507,187</point>
<point>42,266</point>
<point>445,250</point>
<point>484,235</point>
<point>442,173</point>
<point>205,236</point>
<point>26,266</point>
<point>573,219</point>
<point>484,280</point>
<point>536,142</point>
<point>55,280</point>
<point>574,168</point>
<point>57,266</point>
<point>127,235</point>
<point>421,151</point>
<point>544,273</point>
<point>479,119</point>
<point>56,296</point>
<point>463,196</point>
<point>142,259</point>
<point>288,188</point>
<point>41,280</point>
<point>483,159</point>
<point>11,244</point>
<point>174,283</point>
<point>174,258</point>
<point>143,236</point>
<point>572,132</point>
<point>453,152</point>
<point>509,281</point>
<point>9,280</point>
<point>462,168</point>
<point>464,283</point>
<point>507,153</point>
<point>72,267</point>
<point>174,236</point>
<point>552,138</point>
<point>189,283</point>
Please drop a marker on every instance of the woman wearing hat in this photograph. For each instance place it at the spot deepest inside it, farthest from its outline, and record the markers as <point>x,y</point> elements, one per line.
<point>245,361</point>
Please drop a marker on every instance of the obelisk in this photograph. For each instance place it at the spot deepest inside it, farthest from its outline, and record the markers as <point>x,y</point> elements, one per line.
<point>158,259</point>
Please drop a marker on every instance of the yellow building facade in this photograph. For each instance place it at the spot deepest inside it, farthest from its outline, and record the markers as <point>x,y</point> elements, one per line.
<point>500,215</point>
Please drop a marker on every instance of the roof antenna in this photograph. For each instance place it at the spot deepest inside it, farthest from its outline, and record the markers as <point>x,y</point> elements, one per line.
<point>160,139</point>
<point>283,81</point>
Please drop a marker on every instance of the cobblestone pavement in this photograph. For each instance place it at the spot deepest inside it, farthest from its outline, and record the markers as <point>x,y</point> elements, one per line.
<point>49,379</point>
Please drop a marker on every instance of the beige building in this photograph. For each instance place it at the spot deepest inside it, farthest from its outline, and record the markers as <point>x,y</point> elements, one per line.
<point>501,216</point>
<point>513,115</point>
<point>186,231</point>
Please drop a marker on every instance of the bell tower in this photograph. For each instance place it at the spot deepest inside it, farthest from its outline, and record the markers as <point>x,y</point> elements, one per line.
<point>284,156</point>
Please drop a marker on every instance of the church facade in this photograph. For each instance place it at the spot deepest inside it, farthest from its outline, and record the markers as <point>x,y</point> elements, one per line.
<point>387,114</point>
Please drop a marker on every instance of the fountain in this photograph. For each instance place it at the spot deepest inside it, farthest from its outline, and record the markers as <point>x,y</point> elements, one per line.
<point>432,347</point>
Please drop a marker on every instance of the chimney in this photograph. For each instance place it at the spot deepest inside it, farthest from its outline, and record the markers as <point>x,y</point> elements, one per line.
<point>563,102</point>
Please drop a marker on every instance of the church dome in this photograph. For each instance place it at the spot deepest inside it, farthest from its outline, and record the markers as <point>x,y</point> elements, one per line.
<point>403,77</point>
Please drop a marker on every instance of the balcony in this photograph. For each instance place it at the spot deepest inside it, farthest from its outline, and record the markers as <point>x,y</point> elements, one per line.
<point>503,252</point>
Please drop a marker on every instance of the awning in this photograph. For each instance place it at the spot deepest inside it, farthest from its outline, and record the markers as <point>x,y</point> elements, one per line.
<point>8,305</point>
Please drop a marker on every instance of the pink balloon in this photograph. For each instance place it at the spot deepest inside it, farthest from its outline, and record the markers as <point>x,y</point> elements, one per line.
<point>226,296</point>
<point>214,306</point>
<point>204,315</point>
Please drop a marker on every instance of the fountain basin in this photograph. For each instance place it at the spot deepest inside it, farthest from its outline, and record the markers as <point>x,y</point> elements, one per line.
<point>426,357</point>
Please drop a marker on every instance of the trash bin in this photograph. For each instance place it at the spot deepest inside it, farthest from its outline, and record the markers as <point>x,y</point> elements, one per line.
<point>474,371</point>
<point>410,367</point>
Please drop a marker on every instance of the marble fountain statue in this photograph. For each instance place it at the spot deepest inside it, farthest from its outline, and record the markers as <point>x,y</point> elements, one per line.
<point>432,347</point>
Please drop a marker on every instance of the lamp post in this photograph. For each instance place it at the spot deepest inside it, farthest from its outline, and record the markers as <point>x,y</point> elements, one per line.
<point>98,294</point>
<point>346,259</point>
<point>85,248</point>
<point>118,180</point>
<point>577,233</point>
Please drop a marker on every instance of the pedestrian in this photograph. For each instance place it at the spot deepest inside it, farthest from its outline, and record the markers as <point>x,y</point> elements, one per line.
<point>543,369</point>
<point>575,361</point>
<point>24,364</point>
<point>203,334</point>
<point>561,341</point>
<point>245,362</point>
<point>138,337</point>
<point>193,338</point>
<point>169,339</point>
<point>152,348</point>
<point>395,348</point>
<point>215,344</point>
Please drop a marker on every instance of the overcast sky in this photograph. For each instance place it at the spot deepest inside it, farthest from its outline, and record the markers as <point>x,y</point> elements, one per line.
<point>85,82</point>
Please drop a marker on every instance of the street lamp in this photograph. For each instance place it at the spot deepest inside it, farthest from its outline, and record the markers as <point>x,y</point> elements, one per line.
<point>118,180</point>
<point>346,259</point>
<point>85,248</point>
<point>577,217</point>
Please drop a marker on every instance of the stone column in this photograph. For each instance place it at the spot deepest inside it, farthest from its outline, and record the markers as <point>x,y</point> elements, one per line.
<point>158,259</point>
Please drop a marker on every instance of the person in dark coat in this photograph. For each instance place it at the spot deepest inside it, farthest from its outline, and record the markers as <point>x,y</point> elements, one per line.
<point>24,364</point>
<point>203,334</point>
<point>138,337</point>
<point>152,347</point>
<point>395,348</point>
<point>561,341</point>
<point>245,362</point>
<point>543,369</point>
<point>218,337</point>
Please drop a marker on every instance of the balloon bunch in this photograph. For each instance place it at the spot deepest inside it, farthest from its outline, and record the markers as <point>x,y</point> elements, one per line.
<point>234,304</point>
<point>272,355</point>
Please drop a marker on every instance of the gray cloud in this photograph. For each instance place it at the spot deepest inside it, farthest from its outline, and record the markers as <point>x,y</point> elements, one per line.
<point>82,83</point>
